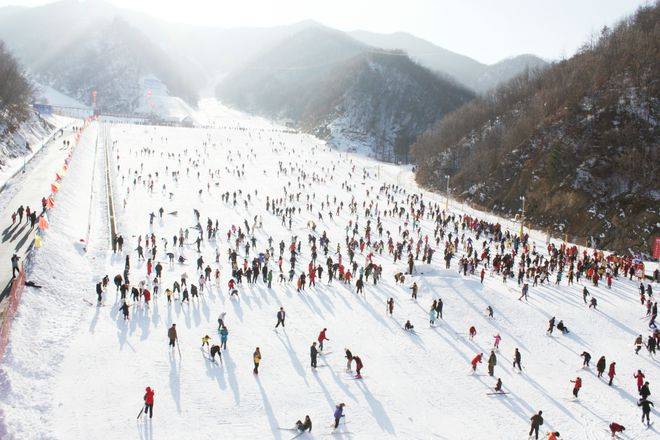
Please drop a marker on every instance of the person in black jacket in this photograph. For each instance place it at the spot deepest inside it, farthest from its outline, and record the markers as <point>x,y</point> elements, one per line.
<point>516,360</point>
<point>306,426</point>
<point>646,410</point>
<point>313,353</point>
<point>587,359</point>
<point>281,316</point>
<point>600,366</point>
<point>537,421</point>
<point>349,357</point>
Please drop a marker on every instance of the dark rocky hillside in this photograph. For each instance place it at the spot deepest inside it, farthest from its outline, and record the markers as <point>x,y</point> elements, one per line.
<point>579,140</point>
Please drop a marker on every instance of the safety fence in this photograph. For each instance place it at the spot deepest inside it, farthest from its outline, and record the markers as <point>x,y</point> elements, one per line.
<point>18,284</point>
<point>13,300</point>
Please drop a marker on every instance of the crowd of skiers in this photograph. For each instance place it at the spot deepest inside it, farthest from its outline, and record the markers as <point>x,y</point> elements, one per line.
<point>472,246</point>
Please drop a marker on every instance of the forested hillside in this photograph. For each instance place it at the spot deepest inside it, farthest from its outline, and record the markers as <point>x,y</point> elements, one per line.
<point>578,140</point>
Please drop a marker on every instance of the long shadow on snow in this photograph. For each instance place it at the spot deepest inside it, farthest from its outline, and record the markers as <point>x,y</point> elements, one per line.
<point>377,409</point>
<point>292,355</point>
<point>175,381</point>
<point>272,421</point>
<point>231,376</point>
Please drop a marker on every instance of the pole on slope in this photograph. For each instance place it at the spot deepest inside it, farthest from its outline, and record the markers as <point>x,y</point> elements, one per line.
<point>522,217</point>
<point>141,411</point>
<point>447,198</point>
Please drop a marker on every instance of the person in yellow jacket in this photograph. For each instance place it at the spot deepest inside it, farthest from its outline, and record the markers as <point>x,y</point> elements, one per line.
<point>257,359</point>
<point>205,341</point>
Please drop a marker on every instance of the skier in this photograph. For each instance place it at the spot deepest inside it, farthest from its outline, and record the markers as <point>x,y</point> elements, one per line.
<point>224,333</point>
<point>472,332</point>
<point>205,341</point>
<point>349,359</point>
<point>304,426</point>
<point>537,421</point>
<point>256,357</point>
<point>438,308</point>
<point>611,372</point>
<point>281,316</point>
<point>339,413</point>
<point>498,385</point>
<point>408,326</point>
<point>600,366</point>
<point>414,289</point>
<point>496,344</point>
<point>615,427</point>
<point>587,359</point>
<point>124,309</point>
<point>14,266</point>
<point>476,360</point>
<point>313,352</point>
<point>215,349</point>
<point>646,410</point>
<point>551,325</point>
<point>516,360</point>
<point>638,344</point>
<point>99,293</point>
<point>644,391</point>
<point>322,338</point>
<point>578,385</point>
<point>562,328</point>
<point>640,379</point>
<point>358,367</point>
<point>390,305</point>
<point>221,320</point>
<point>171,333</point>
<point>149,402</point>
<point>492,361</point>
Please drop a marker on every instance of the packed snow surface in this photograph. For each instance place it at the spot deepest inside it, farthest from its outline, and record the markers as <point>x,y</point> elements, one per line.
<point>77,371</point>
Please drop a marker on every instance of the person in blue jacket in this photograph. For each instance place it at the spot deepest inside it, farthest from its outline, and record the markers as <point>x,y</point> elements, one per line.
<point>339,413</point>
<point>223,337</point>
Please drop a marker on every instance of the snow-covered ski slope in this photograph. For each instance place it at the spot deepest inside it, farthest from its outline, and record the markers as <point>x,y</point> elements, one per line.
<point>75,371</point>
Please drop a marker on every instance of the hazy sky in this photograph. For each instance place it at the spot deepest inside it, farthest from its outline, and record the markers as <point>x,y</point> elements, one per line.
<point>487,30</point>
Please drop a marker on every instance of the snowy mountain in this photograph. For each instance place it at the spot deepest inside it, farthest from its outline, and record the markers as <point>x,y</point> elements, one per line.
<point>476,76</point>
<point>77,47</point>
<point>579,140</point>
<point>198,55</point>
<point>343,91</point>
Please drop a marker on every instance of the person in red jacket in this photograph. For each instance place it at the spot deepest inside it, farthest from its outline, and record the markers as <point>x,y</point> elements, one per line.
<point>472,332</point>
<point>578,385</point>
<point>611,373</point>
<point>149,402</point>
<point>322,338</point>
<point>476,360</point>
<point>615,427</point>
<point>358,366</point>
<point>640,379</point>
